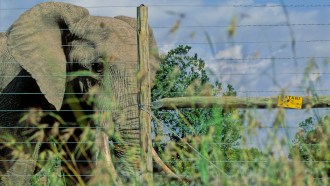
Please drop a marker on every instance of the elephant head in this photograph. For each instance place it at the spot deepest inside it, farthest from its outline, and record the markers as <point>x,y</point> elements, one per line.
<point>59,52</point>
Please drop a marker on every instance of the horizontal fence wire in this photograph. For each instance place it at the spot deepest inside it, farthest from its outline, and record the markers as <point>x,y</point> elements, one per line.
<point>216,26</point>
<point>211,42</point>
<point>181,175</point>
<point>279,92</point>
<point>51,110</point>
<point>86,62</point>
<point>221,42</point>
<point>245,42</point>
<point>208,43</point>
<point>70,125</point>
<point>276,73</point>
<point>242,26</point>
<point>217,59</point>
<point>66,93</point>
<point>209,26</point>
<point>198,6</point>
<point>247,144</point>
<point>90,127</point>
<point>172,161</point>
<point>182,92</point>
<point>270,58</point>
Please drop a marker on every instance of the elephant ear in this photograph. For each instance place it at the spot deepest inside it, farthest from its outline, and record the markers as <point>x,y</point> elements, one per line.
<point>153,49</point>
<point>35,41</point>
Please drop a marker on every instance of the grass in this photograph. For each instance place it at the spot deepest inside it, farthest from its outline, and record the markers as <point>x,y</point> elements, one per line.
<point>202,160</point>
<point>219,154</point>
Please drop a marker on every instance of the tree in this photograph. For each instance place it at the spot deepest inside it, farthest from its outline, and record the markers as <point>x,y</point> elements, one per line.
<point>311,145</point>
<point>181,74</point>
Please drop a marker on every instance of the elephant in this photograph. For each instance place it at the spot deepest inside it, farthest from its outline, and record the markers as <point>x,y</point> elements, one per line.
<point>56,53</point>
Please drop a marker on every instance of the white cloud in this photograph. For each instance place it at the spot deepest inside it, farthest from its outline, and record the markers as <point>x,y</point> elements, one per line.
<point>220,64</point>
<point>234,52</point>
<point>242,74</point>
<point>164,49</point>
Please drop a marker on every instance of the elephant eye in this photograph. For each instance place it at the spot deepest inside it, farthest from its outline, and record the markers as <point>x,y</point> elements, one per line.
<point>98,67</point>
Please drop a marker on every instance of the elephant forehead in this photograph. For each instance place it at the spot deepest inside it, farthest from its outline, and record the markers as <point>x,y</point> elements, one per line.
<point>119,48</point>
<point>112,37</point>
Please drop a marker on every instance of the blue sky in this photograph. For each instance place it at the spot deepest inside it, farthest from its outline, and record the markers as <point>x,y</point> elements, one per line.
<point>257,74</point>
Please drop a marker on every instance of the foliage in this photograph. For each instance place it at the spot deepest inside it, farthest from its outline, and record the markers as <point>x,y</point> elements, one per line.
<point>181,74</point>
<point>311,145</point>
<point>209,146</point>
<point>197,136</point>
<point>201,160</point>
<point>50,174</point>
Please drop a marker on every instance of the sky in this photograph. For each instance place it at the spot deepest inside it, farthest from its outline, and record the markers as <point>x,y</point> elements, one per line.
<point>259,59</point>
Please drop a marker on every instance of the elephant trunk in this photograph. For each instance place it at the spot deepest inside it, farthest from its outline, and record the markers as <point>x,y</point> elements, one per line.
<point>122,106</point>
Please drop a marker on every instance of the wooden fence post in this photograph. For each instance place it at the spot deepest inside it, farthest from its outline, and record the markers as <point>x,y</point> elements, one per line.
<point>144,97</point>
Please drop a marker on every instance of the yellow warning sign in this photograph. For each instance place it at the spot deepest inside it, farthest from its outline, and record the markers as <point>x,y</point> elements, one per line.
<point>290,101</point>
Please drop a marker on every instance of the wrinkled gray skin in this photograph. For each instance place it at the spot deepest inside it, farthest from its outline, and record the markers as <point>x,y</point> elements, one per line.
<point>52,40</point>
